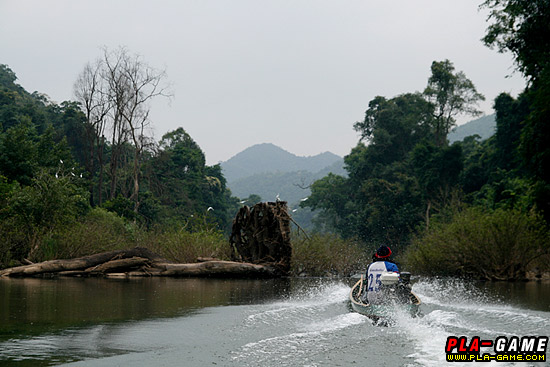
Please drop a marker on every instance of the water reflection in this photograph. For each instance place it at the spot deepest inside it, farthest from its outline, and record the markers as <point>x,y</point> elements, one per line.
<point>33,306</point>
<point>531,295</point>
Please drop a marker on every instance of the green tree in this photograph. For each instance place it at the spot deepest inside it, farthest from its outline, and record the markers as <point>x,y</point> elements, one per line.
<point>521,27</point>
<point>437,170</point>
<point>379,201</point>
<point>331,195</point>
<point>393,127</point>
<point>18,152</point>
<point>479,162</point>
<point>484,244</point>
<point>33,212</point>
<point>178,176</point>
<point>510,114</point>
<point>402,165</point>
<point>451,94</point>
<point>252,199</point>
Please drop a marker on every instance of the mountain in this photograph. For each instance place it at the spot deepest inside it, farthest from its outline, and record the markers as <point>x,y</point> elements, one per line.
<point>269,158</point>
<point>270,172</point>
<point>484,127</point>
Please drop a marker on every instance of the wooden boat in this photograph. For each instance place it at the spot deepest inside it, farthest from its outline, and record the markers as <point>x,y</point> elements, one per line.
<point>410,303</point>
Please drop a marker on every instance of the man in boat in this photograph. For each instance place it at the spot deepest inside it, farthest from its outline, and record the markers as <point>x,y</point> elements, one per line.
<point>381,263</point>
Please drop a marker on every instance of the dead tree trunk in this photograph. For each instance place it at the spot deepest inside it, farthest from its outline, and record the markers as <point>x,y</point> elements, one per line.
<point>261,235</point>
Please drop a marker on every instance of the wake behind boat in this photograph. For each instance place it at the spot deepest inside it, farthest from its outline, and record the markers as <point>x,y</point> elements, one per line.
<point>398,295</point>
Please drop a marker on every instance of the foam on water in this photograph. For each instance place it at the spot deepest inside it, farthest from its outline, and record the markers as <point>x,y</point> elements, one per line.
<point>455,308</point>
<point>314,300</point>
<point>308,327</point>
<point>303,326</point>
<point>466,300</point>
<point>288,348</point>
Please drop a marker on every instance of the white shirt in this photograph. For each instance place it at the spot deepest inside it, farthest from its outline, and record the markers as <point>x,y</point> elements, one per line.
<point>374,272</point>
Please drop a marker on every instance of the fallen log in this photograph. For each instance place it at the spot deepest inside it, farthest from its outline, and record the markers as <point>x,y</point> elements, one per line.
<point>139,262</point>
<point>120,264</point>
<point>217,268</point>
<point>81,263</point>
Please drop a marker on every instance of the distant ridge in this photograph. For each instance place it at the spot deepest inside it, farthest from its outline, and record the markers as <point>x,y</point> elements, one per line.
<point>269,158</point>
<point>484,126</point>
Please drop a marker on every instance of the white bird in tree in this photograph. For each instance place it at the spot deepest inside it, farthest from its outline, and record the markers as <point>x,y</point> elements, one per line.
<point>209,209</point>
<point>277,198</point>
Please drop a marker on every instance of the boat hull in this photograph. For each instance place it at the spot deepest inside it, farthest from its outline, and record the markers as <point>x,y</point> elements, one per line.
<point>381,311</point>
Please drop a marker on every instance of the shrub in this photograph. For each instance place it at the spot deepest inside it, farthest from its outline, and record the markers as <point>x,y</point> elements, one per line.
<point>495,245</point>
<point>99,231</point>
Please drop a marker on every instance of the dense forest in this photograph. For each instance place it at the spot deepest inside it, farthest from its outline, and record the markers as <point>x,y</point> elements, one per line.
<point>475,207</point>
<point>85,175</point>
<point>89,160</point>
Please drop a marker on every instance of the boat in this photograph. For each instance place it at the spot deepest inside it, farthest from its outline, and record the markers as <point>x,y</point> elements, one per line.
<point>398,296</point>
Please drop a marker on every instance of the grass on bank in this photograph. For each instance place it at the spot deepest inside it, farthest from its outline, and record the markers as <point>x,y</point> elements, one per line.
<point>102,231</point>
<point>327,255</point>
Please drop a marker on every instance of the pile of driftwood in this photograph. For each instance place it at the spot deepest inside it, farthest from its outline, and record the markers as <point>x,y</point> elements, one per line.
<point>260,243</point>
<point>261,235</point>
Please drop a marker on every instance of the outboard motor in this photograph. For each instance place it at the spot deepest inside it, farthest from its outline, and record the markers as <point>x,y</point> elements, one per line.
<point>396,286</point>
<point>406,278</point>
<point>404,288</point>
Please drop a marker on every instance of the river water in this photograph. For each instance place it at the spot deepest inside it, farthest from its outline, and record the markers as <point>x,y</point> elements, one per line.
<point>282,322</point>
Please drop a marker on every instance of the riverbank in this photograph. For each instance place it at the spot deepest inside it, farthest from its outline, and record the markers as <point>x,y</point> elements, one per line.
<point>497,250</point>
<point>312,256</point>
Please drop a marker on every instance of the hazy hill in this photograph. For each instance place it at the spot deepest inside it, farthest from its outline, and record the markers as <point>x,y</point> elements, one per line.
<point>484,127</point>
<point>264,158</point>
<point>270,171</point>
<point>289,186</point>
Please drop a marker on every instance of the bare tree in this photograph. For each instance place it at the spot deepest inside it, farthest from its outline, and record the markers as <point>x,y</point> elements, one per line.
<point>89,92</point>
<point>144,83</point>
<point>115,93</point>
<point>116,90</point>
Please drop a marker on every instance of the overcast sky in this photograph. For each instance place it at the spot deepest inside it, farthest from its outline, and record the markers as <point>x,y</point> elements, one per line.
<point>295,73</point>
